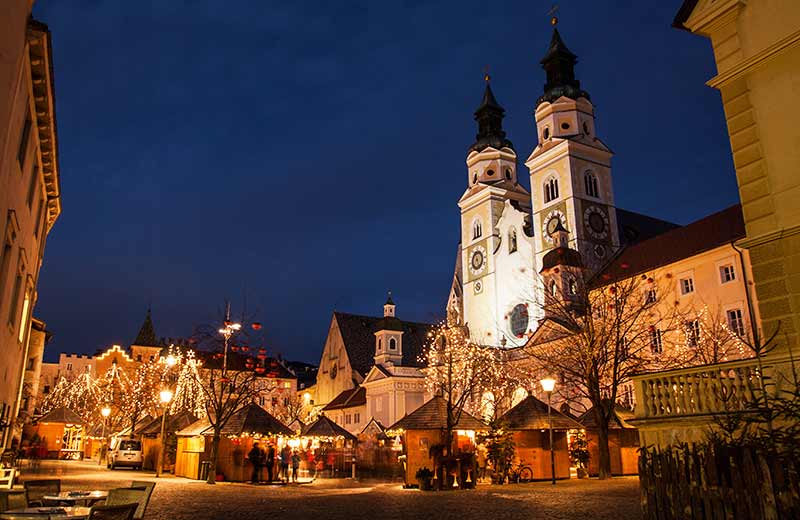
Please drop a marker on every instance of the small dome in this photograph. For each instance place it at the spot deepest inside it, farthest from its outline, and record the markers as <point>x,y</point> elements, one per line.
<point>561,256</point>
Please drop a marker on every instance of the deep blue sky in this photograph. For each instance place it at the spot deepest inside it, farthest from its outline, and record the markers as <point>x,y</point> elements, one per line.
<point>311,155</point>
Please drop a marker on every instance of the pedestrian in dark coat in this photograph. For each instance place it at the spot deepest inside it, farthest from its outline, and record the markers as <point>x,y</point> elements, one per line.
<point>270,462</point>
<point>256,458</point>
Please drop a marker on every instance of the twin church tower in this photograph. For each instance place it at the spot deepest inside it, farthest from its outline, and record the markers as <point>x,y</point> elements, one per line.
<point>506,231</point>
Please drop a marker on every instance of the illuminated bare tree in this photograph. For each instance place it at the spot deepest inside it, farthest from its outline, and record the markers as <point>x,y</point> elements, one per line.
<point>593,339</point>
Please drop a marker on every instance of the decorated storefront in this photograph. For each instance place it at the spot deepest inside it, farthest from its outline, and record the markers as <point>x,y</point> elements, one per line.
<point>60,434</point>
<point>623,442</point>
<point>423,435</point>
<point>328,449</point>
<point>249,424</point>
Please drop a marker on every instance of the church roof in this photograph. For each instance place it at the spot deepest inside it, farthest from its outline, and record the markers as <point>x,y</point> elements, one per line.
<point>325,427</point>
<point>358,335</point>
<point>559,63</point>
<point>61,415</point>
<point>147,334</point>
<point>635,227</point>
<point>433,416</point>
<point>710,232</point>
<point>348,399</point>
<point>531,414</point>
<point>489,116</point>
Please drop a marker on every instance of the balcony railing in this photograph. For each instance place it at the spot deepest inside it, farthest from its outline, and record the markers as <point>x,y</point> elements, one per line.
<point>710,389</point>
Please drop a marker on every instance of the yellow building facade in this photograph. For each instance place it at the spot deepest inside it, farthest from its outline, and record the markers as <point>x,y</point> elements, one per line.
<point>30,197</point>
<point>756,47</point>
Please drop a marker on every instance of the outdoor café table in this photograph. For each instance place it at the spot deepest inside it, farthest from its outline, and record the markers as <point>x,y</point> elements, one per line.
<point>73,497</point>
<point>50,512</point>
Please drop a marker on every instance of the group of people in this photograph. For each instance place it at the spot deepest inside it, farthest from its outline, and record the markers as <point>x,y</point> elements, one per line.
<point>260,459</point>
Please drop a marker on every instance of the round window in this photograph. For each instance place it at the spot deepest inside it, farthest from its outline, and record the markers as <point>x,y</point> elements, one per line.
<point>565,126</point>
<point>489,172</point>
<point>519,320</point>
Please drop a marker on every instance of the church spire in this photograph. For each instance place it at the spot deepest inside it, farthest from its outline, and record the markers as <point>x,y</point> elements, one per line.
<point>147,334</point>
<point>559,64</point>
<point>489,116</point>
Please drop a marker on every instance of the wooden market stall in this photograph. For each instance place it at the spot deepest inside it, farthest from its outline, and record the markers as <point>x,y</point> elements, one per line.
<point>61,434</point>
<point>327,448</point>
<point>528,421</point>
<point>151,438</point>
<point>623,442</point>
<point>249,424</point>
<point>423,434</point>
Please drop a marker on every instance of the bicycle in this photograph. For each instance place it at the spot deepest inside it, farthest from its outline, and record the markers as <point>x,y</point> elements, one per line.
<point>520,473</point>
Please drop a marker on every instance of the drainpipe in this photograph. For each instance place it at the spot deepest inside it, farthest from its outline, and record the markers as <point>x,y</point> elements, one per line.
<point>750,312</point>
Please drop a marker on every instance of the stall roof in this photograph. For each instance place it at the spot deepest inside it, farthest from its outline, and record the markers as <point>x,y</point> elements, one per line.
<point>531,414</point>
<point>174,422</point>
<point>194,429</point>
<point>325,427</point>
<point>252,419</point>
<point>433,416</point>
<point>619,419</point>
<point>61,415</point>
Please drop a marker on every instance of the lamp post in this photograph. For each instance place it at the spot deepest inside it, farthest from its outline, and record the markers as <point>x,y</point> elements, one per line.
<point>548,384</point>
<point>166,397</point>
<point>105,411</point>
<point>229,329</point>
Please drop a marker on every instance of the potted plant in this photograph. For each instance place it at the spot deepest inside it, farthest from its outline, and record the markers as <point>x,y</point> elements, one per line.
<point>424,476</point>
<point>579,453</point>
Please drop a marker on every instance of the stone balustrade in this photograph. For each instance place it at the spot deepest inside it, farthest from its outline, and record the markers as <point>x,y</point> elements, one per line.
<point>710,389</point>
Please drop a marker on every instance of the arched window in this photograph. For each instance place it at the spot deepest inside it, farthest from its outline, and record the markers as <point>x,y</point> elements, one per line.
<point>553,288</point>
<point>573,286</point>
<point>509,175</point>
<point>475,178</point>
<point>487,405</point>
<point>392,344</point>
<point>590,183</point>
<point>477,229</point>
<point>380,344</point>
<point>512,239</point>
<point>550,189</point>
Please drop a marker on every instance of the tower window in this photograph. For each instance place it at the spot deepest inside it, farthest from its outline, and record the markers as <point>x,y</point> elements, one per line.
<point>477,229</point>
<point>392,344</point>
<point>519,320</point>
<point>586,128</point>
<point>551,189</point>
<point>489,173</point>
<point>546,133</point>
<point>553,288</point>
<point>475,178</point>
<point>380,344</point>
<point>512,239</point>
<point>509,175</point>
<point>565,126</point>
<point>590,183</point>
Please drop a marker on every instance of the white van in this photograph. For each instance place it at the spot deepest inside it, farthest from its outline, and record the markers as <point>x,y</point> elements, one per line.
<point>124,452</point>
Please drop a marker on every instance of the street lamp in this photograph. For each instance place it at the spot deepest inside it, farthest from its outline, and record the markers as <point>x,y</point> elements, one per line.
<point>171,360</point>
<point>105,411</point>
<point>548,384</point>
<point>229,329</point>
<point>166,397</point>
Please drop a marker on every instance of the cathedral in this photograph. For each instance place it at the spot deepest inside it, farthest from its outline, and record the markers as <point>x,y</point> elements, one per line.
<point>498,291</point>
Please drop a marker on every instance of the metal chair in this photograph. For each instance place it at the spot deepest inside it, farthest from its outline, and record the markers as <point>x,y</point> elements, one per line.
<point>137,495</point>
<point>37,489</point>
<point>148,487</point>
<point>7,478</point>
<point>118,512</point>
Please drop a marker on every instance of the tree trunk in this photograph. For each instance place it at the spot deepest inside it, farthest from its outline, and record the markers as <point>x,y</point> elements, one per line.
<point>212,469</point>
<point>604,458</point>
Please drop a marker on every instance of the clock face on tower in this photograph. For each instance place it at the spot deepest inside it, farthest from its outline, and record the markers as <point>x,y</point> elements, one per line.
<point>550,223</point>
<point>596,222</point>
<point>477,260</point>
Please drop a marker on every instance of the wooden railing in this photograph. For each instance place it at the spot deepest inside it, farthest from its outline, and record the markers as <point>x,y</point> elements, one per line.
<point>709,389</point>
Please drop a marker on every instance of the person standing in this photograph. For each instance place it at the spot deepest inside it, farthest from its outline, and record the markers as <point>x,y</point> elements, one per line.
<point>256,458</point>
<point>270,462</point>
<point>295,465</point>
<point>286,455</point>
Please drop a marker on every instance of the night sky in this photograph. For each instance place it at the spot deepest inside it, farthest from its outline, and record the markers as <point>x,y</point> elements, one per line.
<point>304,157</point>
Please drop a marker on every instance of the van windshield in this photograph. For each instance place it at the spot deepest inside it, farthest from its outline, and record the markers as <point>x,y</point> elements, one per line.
<point>130,446</point>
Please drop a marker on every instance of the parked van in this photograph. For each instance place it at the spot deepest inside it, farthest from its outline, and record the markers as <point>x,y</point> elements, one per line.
<point>125,452</point>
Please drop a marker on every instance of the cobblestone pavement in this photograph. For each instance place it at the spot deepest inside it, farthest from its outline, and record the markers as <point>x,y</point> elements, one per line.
<point>179,499</point>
